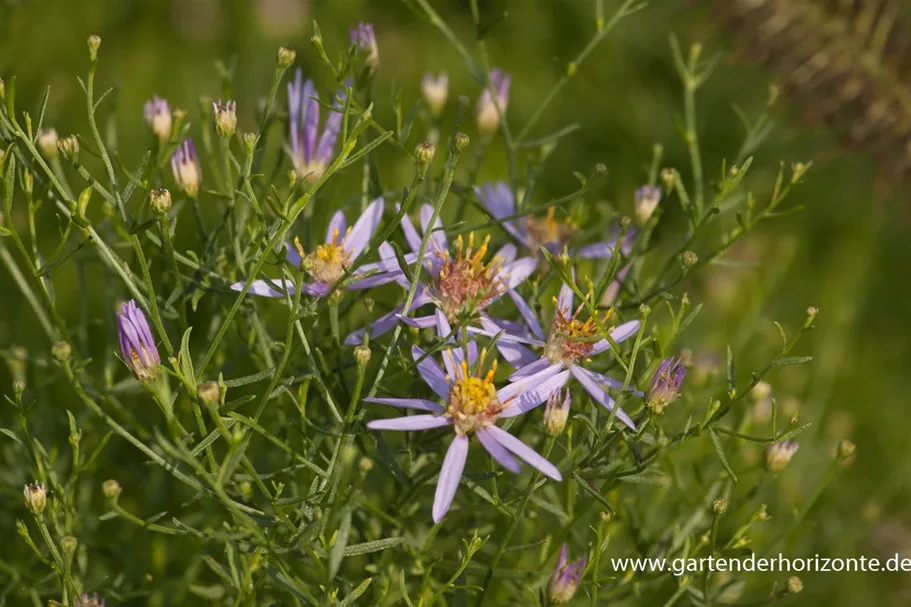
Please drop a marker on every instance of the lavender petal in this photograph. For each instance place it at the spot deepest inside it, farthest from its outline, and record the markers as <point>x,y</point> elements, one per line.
<point>526,453</point>
<point>263,288</point>
<point>410,422</point>
<point>599,394</point>
<point>431,373</point>
<point>408,403</point>
<point>450,475</point>
<point>497,451</point>
<point>536,394</point>
<point>364,228</point>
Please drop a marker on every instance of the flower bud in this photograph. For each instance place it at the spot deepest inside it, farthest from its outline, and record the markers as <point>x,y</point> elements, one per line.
<point>600,168</point>
<point>69,148</point>
<point>424,153</point>
<point>35,497</point>
<point>665,385</point>
<point>566,578</point>
<point>556,412</point>
<point>846,449</point>
<point>719,506</point>
<point>137,345</point>
<point>47,141</point>
<point>225,118</point>
<point>160,201</point>
<point>436,91</point>
<point>209,393</point>
<point>111,489</point>
<point>779,455</point>
<point>493,102</point>
<point>362,355</point>
<point>688,259</point>
<point>61,351</point>
<point>647,199</point>
<point>94,42</point>
<point>365,464</point>
<point>186,168</point>
<point>86,600</point>
<point>18,387</point>
<point>250,140</point>
<point>794,585</point>
<point>285,58</point>
<point>461,141</point>
<point>364,39</point>
<point>158,117</point>
<point>667,178</point>
<point>68,544</point>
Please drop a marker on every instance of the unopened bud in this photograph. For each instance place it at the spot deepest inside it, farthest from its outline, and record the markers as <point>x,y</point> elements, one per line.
<point>209,393</point>
<point>779,455</point>
<point>424,153</point>
<point>362,355</point>
<point>94,42</point>
<point>69,148</point>
<point>250,140</point>
<point>160,201</point>
<point>644,309</point>
<point>461,141</point>
<point>68,544</point>
<point>719,506</point>
<point>647,199</point>
<point>83,204</point>
<point>811,313</point>
<point>28,182</point>
<point>846,449</point>
<point>35,497</point>
<point>667,178</point>
<point>761,391</point>
<point>61,351</point>
<point>365,464</point>
<point>369,304</point>
<point>556,412</point>
<point>111,489</point>
<point>285,58</point>
<point>688,260</point>
<point>225,118</point>
<point>794,585</point>
<point>18,387</point>
<point>47,141</point>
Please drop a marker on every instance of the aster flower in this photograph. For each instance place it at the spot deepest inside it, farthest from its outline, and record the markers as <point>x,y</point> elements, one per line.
<point>225,117</point>
<point>471,406</point>
<point>137,345</point>
<point>158,117</point>
<point>495,95</point>
<point>328,262</point>
<point>436,91</point>
<point>363,37</point>
<point>779,455</point>
<point>647,199</point>
<point>666,384</point>
<point>570,343</point>
<point>566,578</point>
<point>186,168</point>
<point>311,151</point>
<point>463,282</point>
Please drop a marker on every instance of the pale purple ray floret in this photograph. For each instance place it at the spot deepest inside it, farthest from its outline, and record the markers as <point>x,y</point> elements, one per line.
<point>536,232</point>
<point>569,344</point>
<point>364,38</point>
<point>471,406</point>
<point>311,150</point>
<point>328,262</point>
<point>137,345</point>
<point>462,281</point>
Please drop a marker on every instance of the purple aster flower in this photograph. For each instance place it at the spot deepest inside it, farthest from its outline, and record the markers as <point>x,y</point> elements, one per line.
<point>471,406</point>
<point>462,281</point>
<point>137,346</point>
<point>158,116</point>
<point>436,91</point>
<point>329,261</point>
<point>570,343</point>
<point>495,95</point>
<point>363,37</point>
<point>647,199</point>
<point>311,151</point>
<point>186,168</point>
<point>779,455</point>
<point>566,578</point>
<point>666,384</point>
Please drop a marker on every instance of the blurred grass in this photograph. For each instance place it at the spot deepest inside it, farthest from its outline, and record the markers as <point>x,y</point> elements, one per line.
<point>847,252</point>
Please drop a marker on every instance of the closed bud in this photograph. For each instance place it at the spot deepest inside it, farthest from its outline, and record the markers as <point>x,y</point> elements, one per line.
<point>811,313</point>
<point>719,506</point>
<point>369,304</point>
<point>644,309</point>
<point>600,168</point>
<point>436,91</point>
<point>461,141</point>
<point>667,178</point>
<point>158,117</point>
<point>424,153</point>
<point>86,600</point>
<point>225,118</point>
<point>28,182</point>
<point>556,412</point>
<point>47,141</point>
<point>761,391</point>
<point>94,42</point>
<point>688,260</point>
<point>61,351</point>
<point>365,464</point>
<point>647,199</point>
<point>285,58</point>
<point>362,355</point>
<point>160,201</point>
<point>566,578</point>
<point>846,449</point>
<point>779,455</point>
<point>209,393</point>
<point>250,140</point>
<point>794,585</point>
<point>69,148</point>
<point>111,489</point>
<point>83,204</point>
<point>18,387</point>
<point>68,544</point>
<point>35,497</point>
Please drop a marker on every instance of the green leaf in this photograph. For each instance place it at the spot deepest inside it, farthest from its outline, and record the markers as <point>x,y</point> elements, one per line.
<point>730,368</point>
<point>716,442</point>
<point>249,379</point>
<point>337,552</point>
<point>790,360</point>
<point>11,434</point>
<point>356,593</point>
<point>374,546</point>
<point>185,361</point>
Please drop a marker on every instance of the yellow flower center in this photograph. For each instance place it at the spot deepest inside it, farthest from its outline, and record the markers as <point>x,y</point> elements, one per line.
<point>547,231</point>
<point>570,338</point>
<point>473,402</point>
<point>327,263</point>
<point>467,282</point>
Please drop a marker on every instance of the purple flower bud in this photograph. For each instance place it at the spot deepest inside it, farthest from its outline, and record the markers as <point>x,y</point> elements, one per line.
<point>566,578</point>
<point>779,455</point>
<point>666,385</point>
<point>186,168</point>
<point>137,346</point>
<point>647,199</point>
<point>495,95</point>
<point>363,37</point>
<point>158,116</point>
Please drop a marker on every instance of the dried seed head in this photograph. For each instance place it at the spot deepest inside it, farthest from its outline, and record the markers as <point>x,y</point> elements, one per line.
<point>160,201</point>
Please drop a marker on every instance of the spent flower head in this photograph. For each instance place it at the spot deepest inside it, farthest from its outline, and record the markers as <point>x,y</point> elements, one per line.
<point>35,497</point>
<point>137,345</point>
<point>666,385</point>
<point>566,578</point>
<point>225,117</point>
<point>86,600</point>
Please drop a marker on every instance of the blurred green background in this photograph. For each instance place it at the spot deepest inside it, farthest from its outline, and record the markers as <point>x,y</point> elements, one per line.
<point>847,252</point>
